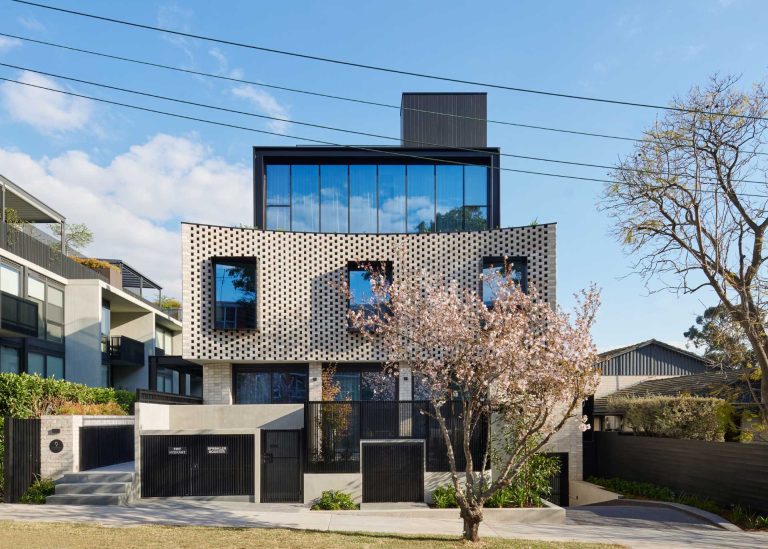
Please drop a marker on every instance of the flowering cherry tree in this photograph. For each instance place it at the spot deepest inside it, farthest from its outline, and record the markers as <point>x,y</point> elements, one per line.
<point>520,362</point>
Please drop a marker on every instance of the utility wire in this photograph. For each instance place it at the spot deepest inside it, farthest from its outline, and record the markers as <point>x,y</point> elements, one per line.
<point>319,141</point>
<point>339,97</point>
<point>385,69</point>
<point>366,134</point>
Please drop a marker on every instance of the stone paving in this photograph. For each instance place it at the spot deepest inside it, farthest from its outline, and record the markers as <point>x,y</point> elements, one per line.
<point>632,526</point>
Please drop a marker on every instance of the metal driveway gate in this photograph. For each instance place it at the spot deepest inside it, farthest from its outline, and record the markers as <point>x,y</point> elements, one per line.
<point>281,470</point>
<point>393,471</point>
<point>197,465</point>
<point>102,445</point>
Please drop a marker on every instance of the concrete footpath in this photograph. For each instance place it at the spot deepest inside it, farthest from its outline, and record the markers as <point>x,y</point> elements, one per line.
<point>625,525</point>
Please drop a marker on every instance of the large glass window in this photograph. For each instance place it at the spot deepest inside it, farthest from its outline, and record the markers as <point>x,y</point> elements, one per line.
<point>370,198</point>
<point>305,202</point>
<point>9,279</point>
<point>235,294</point>
<point>361,295</point>
<point>450,191</point>
<point>362,199</point>
<point>164,340</point>
<point>279,384</point>
<point>9,360</point>
<point>35,288</point>
<point>55,314</point>
<point>496,269</point>
<point>421,199</point>
<point>391,199</point>
<point>364,382</point>
<point>55,367</point>
<point>334,198</point>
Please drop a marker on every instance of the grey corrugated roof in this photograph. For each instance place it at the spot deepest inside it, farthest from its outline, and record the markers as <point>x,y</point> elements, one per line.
<point>694,384</point>
<point>613,353</point>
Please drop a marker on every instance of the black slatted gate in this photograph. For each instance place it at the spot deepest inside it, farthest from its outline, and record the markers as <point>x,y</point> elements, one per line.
<point>281,469</point>
<point>21,461</point>
<point>197,465</point>
<point>559,482</point>
<point>393,472</point>
<point>102,445</point>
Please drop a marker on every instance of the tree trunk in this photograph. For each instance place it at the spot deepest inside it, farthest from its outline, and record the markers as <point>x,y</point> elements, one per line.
<point>472,519</point>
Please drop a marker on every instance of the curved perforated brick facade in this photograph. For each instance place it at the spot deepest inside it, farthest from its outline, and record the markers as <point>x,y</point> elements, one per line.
<point>301,312</point>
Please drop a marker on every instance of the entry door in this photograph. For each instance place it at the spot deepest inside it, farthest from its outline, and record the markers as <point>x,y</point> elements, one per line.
<point>281,475</point>
<point>559,482</point>
<point>393,472</point>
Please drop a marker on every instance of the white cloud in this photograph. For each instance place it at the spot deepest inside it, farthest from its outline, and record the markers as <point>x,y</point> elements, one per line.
<point>30,23</point>
<point>223,63</point>
<point>7,44</point>
<point>47,111</point>
<point>267,104</point>
<point>134,203</point>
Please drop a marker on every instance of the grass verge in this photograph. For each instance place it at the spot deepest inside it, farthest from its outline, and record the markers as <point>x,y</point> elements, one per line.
<point>61,535</point>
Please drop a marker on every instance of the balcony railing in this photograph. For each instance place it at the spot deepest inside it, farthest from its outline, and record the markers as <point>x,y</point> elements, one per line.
<point>124,351</point>
<point>334,431</point>
<point>43,255</point>
<point>19,315</point>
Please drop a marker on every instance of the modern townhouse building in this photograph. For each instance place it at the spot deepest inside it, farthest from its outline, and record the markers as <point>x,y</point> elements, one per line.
<point>265,318</point>
<point>63,319</point>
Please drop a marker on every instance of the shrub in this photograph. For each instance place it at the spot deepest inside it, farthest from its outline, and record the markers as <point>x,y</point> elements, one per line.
<point>530,485</point>
<point>25,396</point>
<point>685,416</point>
<point>94,263</point>
<point>79,409</point>
<point>40,489</point>
<point>2,454</point>
<point>444,497</point>
<point>747,519</point>
<point>334,500</point>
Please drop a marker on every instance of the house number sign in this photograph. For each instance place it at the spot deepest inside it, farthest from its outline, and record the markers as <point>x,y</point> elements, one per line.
<point>217,450</point>
<point>177,450</point>
<point>56,446</point>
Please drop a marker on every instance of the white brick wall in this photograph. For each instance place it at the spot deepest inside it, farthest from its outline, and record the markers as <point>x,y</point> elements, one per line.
<point>315,381</point>
<point>217,384</point>
<point>54,465</point>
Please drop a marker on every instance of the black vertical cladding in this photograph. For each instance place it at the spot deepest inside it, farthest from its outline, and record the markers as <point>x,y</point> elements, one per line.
<point>21,460</point>
<point>393,472</point>
<point>444,120</point>
<point>559,482</point>
<point>197,465</point>
<point>281,471</point>
<point>102,445</point>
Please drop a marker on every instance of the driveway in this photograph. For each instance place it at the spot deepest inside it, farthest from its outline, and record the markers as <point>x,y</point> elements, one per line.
<point>632,526</point>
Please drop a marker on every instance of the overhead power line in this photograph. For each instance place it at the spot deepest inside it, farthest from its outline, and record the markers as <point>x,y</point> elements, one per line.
<point>319,141</point>
<point>339,97</point>
<point>384,69</point>
<point>356,132</point>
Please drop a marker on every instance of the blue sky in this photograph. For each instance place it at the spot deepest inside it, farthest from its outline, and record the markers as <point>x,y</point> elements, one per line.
<point>133,176</point>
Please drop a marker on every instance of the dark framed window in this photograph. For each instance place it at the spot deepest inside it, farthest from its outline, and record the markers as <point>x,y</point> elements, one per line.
<point>45,365</point>
<point>421,390</point>
<point>359,275</point>
<point>271,384</point>
<point>364,382</point>
<point>234,293</point>
<point>515,268</point>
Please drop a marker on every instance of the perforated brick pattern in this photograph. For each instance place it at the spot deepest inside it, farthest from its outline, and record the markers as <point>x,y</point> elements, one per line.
<point>301,311</point>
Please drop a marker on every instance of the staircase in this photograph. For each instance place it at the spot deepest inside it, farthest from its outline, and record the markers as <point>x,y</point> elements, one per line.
<point>95,487</point>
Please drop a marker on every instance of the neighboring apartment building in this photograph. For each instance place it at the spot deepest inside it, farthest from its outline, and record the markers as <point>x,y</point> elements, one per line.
<point>265,317</point>
<point>64,320</point>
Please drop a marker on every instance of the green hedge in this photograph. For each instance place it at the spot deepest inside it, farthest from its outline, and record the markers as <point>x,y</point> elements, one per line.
<point>25,396</point>
<point>685,416</point>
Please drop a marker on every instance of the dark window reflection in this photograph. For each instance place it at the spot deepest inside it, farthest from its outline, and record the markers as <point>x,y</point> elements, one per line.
<point>305,202</point>
<point>450,192</point>
<point>361,295</point>
<point>334,197</point>
<point>421,199</point>
<point>496,269</point>
<point>362,199</point>
<point>235,294</point>
<point>281,384</point>
<point>475,218</point>
<point>278,185</point>
<point>364,382</point>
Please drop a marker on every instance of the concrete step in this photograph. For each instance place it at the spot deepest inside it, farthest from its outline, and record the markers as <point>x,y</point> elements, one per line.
<point>86,499</point>
<point>93,488</point>
<point>99,478</point>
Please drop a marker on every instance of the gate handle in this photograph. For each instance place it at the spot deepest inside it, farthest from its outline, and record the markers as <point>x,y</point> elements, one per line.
<point>267,458</point>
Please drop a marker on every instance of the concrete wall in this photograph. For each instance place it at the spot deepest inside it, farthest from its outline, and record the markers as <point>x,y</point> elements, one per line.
<point>82,332</point>
<point>316,484</point>
<point>569,439</point>
<point>141,327</point>
<point>245,416</point>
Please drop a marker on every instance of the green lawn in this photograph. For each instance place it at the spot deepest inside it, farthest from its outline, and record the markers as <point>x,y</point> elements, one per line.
<point>61,535</point>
